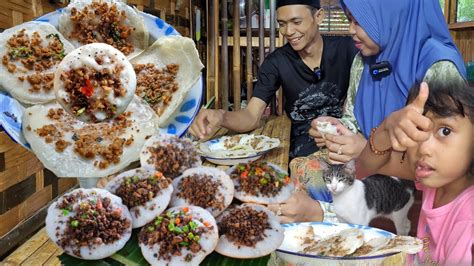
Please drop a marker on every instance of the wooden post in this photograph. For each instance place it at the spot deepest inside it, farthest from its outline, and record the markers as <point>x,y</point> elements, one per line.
<point>224,57</point>
<point>216,52</point>
<point>248,55</point>
<point>236,56</point>
<point>261,31</point>
<point>272,25</point>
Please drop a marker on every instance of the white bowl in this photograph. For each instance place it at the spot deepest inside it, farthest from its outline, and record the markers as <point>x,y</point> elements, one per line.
<point>288,251</point>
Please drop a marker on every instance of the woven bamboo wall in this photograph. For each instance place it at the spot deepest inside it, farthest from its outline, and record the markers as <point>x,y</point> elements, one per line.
<point>25,186</point>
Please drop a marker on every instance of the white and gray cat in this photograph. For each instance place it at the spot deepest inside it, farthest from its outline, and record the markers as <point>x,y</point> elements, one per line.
<point>359,201</point>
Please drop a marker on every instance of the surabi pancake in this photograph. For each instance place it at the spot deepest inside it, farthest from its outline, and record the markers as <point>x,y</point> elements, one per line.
<point>169,154</point>
<point>95,83</point>
<point>248,231</point>
<point>207,187</point>
<point>261,182</point>
<point>145,192</point>
<point>31,53</point>
<point>89,224</point>
<point>104,21</point>
<point>166,71</point>
<point>182,235</point>
<point>71,148</point>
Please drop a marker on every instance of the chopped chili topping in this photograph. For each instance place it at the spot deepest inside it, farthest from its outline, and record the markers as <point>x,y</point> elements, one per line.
<point>174,231</point>
<point>259,178</point>
<point>80,85</point>
<point>102,22</point>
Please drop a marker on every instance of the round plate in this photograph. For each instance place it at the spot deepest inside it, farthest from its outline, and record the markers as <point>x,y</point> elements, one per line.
<point>214,150</point>
<point>288,251</point>
<point>233,161</point>
<point>11,110</point>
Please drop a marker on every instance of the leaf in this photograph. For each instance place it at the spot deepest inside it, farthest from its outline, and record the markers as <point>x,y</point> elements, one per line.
<point>131,254</point>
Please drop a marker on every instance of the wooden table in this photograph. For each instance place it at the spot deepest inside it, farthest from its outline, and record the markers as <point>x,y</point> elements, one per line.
<point>40,250</point>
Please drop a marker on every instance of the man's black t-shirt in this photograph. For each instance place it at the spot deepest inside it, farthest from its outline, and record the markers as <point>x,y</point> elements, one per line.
<point>305,97</point>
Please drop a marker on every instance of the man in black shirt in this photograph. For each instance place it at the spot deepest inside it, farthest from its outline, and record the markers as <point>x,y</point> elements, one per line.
<point>312,70</point>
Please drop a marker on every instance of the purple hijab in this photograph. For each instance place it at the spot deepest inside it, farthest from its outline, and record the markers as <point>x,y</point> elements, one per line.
<point>412,36</point>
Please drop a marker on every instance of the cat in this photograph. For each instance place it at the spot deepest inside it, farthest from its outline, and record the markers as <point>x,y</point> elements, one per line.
<point>359,201</point>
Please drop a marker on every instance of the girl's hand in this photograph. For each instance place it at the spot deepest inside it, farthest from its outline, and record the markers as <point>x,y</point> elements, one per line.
<point>345,147</point>
<point>300,207</point>
<point>319,138</point>
<point>408,126</point>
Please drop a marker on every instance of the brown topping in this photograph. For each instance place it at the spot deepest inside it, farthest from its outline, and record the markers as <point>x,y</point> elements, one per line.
<point>95,221</point>
<point>244,226</point>
<point>61,145</point>
<point>156,86</point>
<point>83,83</point>
<point>136,192</point>
<point>101,22</point>
<point>257,178</point>
<point>171,159</point>
<point>202,191</point>
<point>363,250</point>
<point>49,130</point>
<point>28,53</point>
<point>56,114</point>
<point>173,232</point>
<point>93,140</point>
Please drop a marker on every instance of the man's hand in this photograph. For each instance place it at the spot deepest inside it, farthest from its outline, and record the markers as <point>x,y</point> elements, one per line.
<point>206,122</point>
<point>319,138</point>
<point>408,126</point>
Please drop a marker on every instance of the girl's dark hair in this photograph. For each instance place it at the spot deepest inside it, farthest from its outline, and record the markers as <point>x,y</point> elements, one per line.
<point>448,97</point>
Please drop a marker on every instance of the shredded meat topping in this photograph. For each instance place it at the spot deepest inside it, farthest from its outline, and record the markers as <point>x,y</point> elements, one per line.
<point>259,178</point>
<point>202,191</point>
<point>95,221</point>
<point>101,140</point>
<point>82,83</point>
<point>135,191</point>
<point>174,231</point>
<point>101,22</point>
<point>244,226</point>
<point>156,86</point>
<point>171,158</point>
<point>25,53</point>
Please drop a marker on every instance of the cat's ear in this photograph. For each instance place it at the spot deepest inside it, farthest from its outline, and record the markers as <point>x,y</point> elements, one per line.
<point>349,167</point>
<point>323,164</point>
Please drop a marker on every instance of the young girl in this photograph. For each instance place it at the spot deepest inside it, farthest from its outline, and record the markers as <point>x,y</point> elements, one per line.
<point>435,132</point>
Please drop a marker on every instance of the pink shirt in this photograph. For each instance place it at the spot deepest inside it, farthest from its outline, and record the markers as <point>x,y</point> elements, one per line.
<point>448,231</point>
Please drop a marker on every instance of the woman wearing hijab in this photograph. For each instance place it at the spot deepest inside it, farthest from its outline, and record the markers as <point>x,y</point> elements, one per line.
<point>401,43</point>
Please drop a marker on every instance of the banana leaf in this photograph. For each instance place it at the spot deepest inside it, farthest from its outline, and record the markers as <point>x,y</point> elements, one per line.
<point>131,255</point>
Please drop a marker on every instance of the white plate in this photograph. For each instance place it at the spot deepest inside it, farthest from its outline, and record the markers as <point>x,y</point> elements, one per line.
<point>178,123</point>
<point>217,152</point>
<point>288,251</point>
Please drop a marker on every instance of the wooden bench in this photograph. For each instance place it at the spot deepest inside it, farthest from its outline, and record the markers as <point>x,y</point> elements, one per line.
<point>40,250</point>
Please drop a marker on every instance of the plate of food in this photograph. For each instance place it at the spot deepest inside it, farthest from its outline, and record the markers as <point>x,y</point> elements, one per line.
<point>151,38</point>
<point>261,183</point>
<point>241,148</point>
<point>316,243</point>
